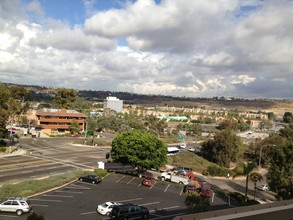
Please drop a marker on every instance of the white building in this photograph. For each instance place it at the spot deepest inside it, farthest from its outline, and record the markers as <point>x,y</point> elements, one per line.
<point>113,103</point>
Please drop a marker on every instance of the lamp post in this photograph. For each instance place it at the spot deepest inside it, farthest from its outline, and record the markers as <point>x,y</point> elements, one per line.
<point>259,162</point>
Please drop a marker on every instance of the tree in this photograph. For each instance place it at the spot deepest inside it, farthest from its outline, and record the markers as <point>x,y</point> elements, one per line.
<point>140,149</point>
<point>228,124</point>
<point>64,98</point>
<point>280,175</point>
<point>245,169</point>
<point>288,117</point>
<point>74,127</point>
<point>223,149</point>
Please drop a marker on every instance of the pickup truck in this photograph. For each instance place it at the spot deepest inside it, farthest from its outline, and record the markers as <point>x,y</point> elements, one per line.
<point>170,176</point>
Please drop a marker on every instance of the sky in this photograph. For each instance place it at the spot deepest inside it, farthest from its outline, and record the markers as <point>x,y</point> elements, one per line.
<point>181,48</point>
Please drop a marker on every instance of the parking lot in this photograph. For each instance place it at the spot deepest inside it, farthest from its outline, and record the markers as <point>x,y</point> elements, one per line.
<point>79,200</point>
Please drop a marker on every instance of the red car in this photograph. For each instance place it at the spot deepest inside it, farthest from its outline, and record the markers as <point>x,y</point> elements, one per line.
<point>148,181</point>
<point>206,190</point>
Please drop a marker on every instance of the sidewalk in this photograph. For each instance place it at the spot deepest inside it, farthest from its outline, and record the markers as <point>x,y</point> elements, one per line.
<point>14,153</point>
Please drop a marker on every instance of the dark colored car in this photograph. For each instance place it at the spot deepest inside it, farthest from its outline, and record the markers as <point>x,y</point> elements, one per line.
<point>148,181</point>
<point>91,178</point>
<point>129,211</point>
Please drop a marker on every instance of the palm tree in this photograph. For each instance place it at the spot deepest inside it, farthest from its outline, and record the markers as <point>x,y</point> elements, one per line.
<point>246,170</point>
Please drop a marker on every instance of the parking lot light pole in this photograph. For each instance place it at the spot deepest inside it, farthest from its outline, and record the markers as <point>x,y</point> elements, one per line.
<point>259,162</point>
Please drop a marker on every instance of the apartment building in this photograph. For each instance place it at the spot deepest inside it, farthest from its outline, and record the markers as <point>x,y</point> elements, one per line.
<point>113,103</point>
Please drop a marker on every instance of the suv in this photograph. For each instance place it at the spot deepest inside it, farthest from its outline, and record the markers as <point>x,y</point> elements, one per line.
<point>129,211</point>
<point>16,204</point>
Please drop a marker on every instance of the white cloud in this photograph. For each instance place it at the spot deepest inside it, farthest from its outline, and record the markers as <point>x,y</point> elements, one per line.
<point>183,48</point>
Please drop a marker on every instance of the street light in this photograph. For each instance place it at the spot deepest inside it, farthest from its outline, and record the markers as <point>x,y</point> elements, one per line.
<point>259,162</point>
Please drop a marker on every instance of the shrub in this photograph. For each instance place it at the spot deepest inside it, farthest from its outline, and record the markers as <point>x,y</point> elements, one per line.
<point>217,171</point>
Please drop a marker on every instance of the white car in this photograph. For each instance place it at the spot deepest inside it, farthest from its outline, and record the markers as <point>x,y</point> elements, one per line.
<point>106,207</point>
<point>263,187</point>
<point>16,204</point>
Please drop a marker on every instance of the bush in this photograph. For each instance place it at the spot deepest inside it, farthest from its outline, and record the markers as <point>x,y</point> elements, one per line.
<point>217,171</point>
<point>2,149</point>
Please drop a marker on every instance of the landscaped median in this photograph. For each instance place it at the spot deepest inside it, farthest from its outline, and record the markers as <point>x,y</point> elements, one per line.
<point>29,188</point>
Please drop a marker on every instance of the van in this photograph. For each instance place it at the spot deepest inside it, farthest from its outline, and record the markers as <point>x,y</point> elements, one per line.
<point>129,211</point>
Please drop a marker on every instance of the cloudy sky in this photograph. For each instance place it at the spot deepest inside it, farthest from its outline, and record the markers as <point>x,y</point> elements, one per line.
<point>192,48</point>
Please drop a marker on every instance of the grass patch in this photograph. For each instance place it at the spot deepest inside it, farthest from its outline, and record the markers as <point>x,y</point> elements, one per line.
<point>188,159</point>
<point>30,187</point>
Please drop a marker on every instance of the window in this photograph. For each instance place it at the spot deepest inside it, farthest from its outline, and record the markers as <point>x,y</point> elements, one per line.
<point>15,203</point>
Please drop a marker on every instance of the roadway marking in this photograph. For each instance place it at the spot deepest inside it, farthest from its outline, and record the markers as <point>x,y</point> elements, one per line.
<point>153,185</point>
<point>130,180</point>
<point>87,213</point>
<point>40,205</point>
<point>58,196</point>
<point>60,191</point>
<point>120,179</point>
<point>46,200</point>
<point>150,203</point>
<point>74,186</point>
<point>181,192</point>
<point>129,200</point>
<point>167,187</point>
<point>9,216</point>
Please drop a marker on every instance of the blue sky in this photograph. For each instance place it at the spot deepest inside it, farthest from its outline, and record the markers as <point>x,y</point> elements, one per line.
<point>191,48</point>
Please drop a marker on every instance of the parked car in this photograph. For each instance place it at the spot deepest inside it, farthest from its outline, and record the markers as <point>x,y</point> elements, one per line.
<point>106,207</point>
<point>206,190</point>
<point>91,178</point>
<point>148,181</point>
<point>263,187</point>
<point>129,211</point>
<point>16,204</point>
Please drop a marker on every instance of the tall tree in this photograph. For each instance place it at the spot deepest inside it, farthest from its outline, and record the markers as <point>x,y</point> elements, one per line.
<point>288,117</point>
<point>280,175</point>
<point>64,98</point>
<point>139,148</point>
<point>223,149</point>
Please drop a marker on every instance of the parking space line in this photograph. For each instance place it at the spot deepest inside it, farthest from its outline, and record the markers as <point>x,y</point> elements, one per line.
<point>87,213</point>
<point>129,200</point>
<point>46,200</point>
<point>40,205</point>
<point>58,196</point>
<point>120,179</point>
<point>181,192</point>
<point>167,187</point>
<point>74,186</point>
<point>60,191</point>
<point>150,203</point>
<point>9,216</point>
<point>152,185</point>
<point>130,180</point>
<point>167,208</point>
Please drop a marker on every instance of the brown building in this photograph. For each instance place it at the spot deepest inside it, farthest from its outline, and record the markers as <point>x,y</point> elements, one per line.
<point>59,119</point>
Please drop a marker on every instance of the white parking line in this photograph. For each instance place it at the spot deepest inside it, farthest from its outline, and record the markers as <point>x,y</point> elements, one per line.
<point>130,180</point>
<point>129,200</point>
<point>87,213</point>
<point>120,179</point>
<point>46,200</point>
<point>167,187</point>
<point>152,185</point>
<point>40,205</point>
<point>167,208</point>
<point>60,191</point>
<point>58,196</point>
<point>150,203</point>
<point>8,216</point>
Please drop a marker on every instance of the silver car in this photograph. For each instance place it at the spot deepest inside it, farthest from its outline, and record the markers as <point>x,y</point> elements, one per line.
<point>16,204</point>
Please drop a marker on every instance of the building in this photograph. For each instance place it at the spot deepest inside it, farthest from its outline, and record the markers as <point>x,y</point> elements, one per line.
<point>113,103</point>
<point>59,119</point>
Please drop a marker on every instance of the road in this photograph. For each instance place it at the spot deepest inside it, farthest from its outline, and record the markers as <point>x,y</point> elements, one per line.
<point>49,156</point>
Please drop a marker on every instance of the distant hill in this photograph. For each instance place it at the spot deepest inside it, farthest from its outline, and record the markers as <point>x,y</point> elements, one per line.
<point>279,107</point>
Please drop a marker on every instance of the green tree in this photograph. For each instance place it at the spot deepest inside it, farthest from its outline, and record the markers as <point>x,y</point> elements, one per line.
<point>139,148</point>
<point>74,127</point>
<point>288,117</point>
<point>196,203</point>
<point>228,124</point>
<point>280,175</point>
<point>287,131</point>
<point>65,98</point>
<point>246,170</point>
<point>223,149</point>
